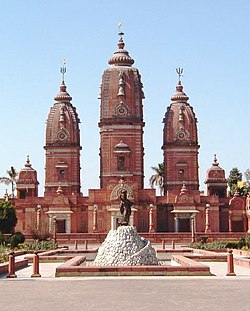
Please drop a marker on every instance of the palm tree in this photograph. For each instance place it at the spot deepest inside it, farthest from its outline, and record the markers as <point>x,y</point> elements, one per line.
<point>10,179</point>
<point>158,178</point>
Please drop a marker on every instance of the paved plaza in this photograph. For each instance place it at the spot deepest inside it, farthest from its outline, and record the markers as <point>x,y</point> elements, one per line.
<point>126,293</point>
<point>218,292</point>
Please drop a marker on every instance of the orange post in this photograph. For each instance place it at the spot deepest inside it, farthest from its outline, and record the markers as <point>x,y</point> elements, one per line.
<point>36,273</point>
<point>230,263</point>
<point>86,244</point>
<point>163,244</point>
<point>173,244</point>
<point>11,268</point>
<point>76,245</point>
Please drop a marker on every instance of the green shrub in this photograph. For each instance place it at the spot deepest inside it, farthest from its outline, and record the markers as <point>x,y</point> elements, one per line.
<point>203,239</point>
<point>16,239</point>
<point>248,240</point>
<point>242,243</point>
<point>2,239</point>
<point>39,245</point>
<point>3,254</point>
<point>207,246</point>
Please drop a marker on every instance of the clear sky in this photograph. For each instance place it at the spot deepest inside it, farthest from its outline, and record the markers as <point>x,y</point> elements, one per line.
<point>209,39</point>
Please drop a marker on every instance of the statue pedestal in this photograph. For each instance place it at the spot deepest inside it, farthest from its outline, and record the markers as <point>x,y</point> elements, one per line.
<point>124,247</point>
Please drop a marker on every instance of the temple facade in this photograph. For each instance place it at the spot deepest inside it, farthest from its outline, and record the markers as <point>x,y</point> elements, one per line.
<point>182,207</point>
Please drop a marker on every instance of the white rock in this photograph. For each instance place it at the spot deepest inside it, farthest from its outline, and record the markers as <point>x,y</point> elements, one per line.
<point>124,247</point>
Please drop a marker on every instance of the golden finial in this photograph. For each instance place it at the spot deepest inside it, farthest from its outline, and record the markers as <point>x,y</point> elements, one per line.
<point>120,30</point>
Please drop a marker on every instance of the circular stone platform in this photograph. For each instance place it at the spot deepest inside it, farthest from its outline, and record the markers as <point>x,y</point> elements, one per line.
<point>124,247</point>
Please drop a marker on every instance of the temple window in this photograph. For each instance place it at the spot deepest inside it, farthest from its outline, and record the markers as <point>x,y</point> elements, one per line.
<point>181,173</point>
<point>22,194</point>
<point>121,163</point>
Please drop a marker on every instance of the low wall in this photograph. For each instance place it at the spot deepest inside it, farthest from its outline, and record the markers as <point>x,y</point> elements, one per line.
<point>155,237</point>
<point>72,268</point>
<point>244,262</point>
<point>21,263</point>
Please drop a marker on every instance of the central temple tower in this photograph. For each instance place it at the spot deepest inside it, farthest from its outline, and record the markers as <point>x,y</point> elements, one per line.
<point>180,143</point>
<point>121,121</point>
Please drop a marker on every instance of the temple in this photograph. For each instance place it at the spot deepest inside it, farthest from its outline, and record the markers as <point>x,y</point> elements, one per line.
<point>182,207</point>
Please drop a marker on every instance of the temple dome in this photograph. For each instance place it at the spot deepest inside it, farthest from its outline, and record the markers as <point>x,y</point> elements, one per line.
<point>63,95</point>
<point>121,56</point>
<point>63,121</point>
<point>179,95</point>
<point>215,172</point>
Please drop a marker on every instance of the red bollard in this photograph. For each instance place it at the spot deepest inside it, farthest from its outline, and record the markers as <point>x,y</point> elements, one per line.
<point>86,244</point>
<point>36,273</point>
<point>11,269</point>
<point>76,245</point>
<point>173,244</point>
<point>163,244</point>
<point>230,263</point>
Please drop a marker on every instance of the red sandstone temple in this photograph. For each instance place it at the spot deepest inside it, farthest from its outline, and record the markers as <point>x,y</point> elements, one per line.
<point>182,208</point>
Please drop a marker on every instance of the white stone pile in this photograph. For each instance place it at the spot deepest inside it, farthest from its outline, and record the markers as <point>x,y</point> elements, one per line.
<point>124,247</point>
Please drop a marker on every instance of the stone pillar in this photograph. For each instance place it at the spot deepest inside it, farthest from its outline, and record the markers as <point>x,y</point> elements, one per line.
<point>245,222</point>
<point>55,230</point>
<point>207,227</point>
<point>151,222</point>
<point>38,217</point>
<point>50,224</point>
<point>248,218</point>
<point>193,228</point>
<point>176,224</point>
<point>230,221</point>
<point>95,218</point>
<point>68,224</point>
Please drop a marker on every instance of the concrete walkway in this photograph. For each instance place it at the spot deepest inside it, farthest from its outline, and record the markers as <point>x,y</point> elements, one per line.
<point>217,293</point>
<point>126,293</point>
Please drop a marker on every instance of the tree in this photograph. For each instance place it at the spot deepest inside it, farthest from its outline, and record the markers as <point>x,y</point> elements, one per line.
<point>235,182</point>
<point>234,176</point>
<point>10,179</point>
<point>247,176</point>
<point>8,219</point>
<point>158,178</point>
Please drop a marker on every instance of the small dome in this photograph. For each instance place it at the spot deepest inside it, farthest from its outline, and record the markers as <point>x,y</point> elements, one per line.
<point>121,56</point>
<point>215,171</point>
<point>63,95</point>
<point>27,166</point>
<point>27,174</point>
<point>179,95</point>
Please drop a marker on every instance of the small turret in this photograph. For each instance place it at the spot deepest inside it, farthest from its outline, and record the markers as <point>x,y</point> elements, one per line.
<point>27,183</point>
<point>216,183</point>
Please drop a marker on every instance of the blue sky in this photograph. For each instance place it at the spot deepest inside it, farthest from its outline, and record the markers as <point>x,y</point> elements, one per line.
<point>209,39</point>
